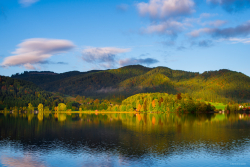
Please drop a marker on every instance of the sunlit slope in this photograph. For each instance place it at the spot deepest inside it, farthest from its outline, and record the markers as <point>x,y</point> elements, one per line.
<point>215,86</point>
<point>218,86</point>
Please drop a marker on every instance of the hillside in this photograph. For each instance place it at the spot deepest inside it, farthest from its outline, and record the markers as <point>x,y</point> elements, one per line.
<point>221,86</point>
<point>19,93</point>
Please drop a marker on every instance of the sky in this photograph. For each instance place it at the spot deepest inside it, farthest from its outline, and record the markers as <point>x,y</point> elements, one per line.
<point>82,35</point>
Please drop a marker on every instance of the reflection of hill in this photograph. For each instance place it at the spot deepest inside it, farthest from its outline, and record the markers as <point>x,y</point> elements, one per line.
<point>129,134</point>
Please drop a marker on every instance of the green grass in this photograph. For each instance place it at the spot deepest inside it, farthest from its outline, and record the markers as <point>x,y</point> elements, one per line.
<point>218,105</point>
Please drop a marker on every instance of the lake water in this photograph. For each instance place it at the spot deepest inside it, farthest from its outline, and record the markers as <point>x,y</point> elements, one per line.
<point>124,139</point>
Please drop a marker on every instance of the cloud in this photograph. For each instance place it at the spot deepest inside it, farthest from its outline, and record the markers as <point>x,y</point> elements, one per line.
<point>239,40</point>
<point>51,62</point>
<point>168,43</point>
<point>122,7</point>
<point>2,11</point>
<point>197,33</point>
<point>231,5</point>
<point>166,8</point>
<point>35,51</point>
<point>169,27</point>
<point>106,56</point>
<point>145,54</point>
<point>205,43</point>
<point>217,23</point>
<point>133,61</point>
<point>26,3</point>
<point>181,48</point>
<point>240,30</point>
<point>62,63</point>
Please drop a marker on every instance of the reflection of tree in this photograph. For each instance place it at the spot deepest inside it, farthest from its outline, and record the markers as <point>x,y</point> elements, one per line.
<point>62,117</point>
<point>40,116</point>
<point>129,134</point>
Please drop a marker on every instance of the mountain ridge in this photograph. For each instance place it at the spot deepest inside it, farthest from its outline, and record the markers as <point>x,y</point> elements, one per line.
<point>221,85</point>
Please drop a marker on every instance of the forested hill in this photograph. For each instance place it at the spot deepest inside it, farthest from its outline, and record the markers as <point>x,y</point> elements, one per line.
<point>220,86</point>
<point>43,77</point>
<point>20,93</point>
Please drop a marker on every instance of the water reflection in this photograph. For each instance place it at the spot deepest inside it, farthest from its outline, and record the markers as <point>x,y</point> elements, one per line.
<point>115,139</point>
<point>26,161</point>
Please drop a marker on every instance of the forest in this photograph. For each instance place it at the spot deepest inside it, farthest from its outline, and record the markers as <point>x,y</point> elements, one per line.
<point>215,86</point>
<point>130,88</point>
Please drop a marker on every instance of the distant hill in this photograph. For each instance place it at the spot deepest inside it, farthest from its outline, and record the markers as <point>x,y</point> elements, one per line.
<point>221,86</point>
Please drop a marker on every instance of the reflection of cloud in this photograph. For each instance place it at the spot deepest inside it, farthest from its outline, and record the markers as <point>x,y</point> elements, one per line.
<point>35,51</point>
<point>27,3</point>
<point>166,8</point>
<point>240,30</point>
<point>21,162</point>
<point>105,56</point>
<point>133,61</point>
<point>231,5</point>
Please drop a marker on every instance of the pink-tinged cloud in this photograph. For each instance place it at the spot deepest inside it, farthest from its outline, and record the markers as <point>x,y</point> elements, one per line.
<point>217,23</point>
<point>169,27</point>
<point>26,3</point>
<point>105,56</point>
<point>36,50</point>
<point>166,8</point>
<point>197,33</point>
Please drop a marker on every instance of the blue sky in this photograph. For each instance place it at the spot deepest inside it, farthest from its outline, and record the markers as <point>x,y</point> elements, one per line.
<point>62,35</point>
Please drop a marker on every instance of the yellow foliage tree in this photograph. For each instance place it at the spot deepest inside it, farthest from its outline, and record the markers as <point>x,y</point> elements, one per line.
<point>40,107</point>
<point>30,107</point>
<point>61,107</point>
<point>139,107</point>
<point>153,103</point>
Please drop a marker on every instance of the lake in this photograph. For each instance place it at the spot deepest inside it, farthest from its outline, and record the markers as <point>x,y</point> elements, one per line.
<point>124,139</point>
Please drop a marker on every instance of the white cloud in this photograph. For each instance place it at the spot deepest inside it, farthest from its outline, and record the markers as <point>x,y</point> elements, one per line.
<point>166,8</point>
<point>35,50</point>
<point>239,40</point>
<point>105,56</point>
<point>27,3</point>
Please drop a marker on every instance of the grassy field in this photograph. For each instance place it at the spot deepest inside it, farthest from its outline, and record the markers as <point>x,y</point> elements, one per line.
<point>218,106</point>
